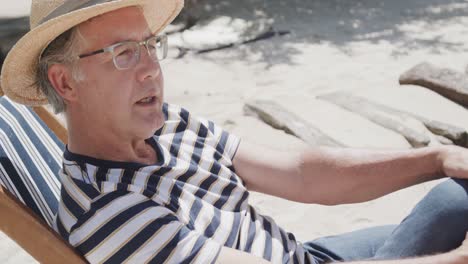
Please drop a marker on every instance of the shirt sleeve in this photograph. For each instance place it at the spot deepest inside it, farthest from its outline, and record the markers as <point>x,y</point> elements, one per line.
<point>129,227</point>
<point>182,125</point>
<point>224,142</point>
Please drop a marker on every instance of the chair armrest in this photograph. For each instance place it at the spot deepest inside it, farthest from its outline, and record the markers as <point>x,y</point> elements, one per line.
<point>32,234</point>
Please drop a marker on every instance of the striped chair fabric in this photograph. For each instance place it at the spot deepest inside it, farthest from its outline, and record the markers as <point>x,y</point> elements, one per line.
<point>30,159</point>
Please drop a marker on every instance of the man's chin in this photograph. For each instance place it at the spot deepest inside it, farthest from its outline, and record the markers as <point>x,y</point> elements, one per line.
<point>149,128</point>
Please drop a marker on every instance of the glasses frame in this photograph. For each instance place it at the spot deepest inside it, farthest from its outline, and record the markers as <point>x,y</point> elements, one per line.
<point>162,38</point>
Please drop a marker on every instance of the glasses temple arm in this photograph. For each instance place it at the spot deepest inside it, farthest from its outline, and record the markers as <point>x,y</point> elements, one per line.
<point>91,53</point>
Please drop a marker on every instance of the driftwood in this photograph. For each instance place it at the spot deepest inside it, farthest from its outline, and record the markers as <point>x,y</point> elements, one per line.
<point>221,33</point>
<point>263,36</point>
<point>446,82</point>
<point>444,140</point>
<point>266,35</point>
<point>175,28</point>
<point>459,136</point>
<point>183,24</point>
<point>381,115</point>
<point>401,122</point>
<point>278,117</point>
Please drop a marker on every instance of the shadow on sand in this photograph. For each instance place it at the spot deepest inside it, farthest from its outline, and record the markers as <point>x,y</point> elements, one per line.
<point>338,23</point>
<point>341,23</point>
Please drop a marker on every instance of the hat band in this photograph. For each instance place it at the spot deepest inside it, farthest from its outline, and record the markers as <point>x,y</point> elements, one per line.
<point>70,6</point>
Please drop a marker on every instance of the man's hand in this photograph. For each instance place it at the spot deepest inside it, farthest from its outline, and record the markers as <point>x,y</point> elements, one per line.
<point>454,161</point>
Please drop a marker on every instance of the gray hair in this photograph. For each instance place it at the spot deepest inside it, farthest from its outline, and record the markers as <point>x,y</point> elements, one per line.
<point>62,50</point>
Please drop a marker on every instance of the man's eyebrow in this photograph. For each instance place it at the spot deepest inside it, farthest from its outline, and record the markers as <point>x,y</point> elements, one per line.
<point>135,37</point>
<point>132,38</point>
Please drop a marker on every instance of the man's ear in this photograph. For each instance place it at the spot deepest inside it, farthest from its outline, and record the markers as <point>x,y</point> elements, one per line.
<point>60,77</point>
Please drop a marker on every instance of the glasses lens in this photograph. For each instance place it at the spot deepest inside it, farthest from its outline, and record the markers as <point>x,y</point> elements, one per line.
<point>126,55</point>
<point>157,47</point>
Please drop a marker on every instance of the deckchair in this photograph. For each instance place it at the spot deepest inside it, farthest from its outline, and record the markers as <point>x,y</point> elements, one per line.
<point>31,145</point>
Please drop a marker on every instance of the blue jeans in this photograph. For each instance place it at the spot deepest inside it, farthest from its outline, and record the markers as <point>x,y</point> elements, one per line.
<point>437,224</point>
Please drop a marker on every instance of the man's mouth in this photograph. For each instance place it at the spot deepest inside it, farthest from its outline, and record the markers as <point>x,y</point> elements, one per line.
<point>147,100</point>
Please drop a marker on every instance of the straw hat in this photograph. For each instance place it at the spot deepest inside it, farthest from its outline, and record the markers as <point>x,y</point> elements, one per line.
<point>49,19</point>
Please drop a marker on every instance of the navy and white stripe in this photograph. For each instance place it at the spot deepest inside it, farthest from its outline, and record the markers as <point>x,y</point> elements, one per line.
<point>181,210</point>
<point>30,157</point>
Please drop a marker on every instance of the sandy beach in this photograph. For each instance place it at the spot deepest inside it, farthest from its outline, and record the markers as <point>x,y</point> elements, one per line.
<point>358,46</point>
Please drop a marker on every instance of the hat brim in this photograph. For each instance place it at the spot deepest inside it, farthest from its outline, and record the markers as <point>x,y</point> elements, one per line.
<point>18,76</point>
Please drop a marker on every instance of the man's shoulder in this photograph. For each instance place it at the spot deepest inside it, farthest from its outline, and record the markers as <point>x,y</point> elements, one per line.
<point>176,112</point>
<point>181,119</point>
<point>183,128</point>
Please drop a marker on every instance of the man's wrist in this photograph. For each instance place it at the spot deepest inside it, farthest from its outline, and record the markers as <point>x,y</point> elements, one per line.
<point>441,154</point>
<point>448,159</point>
<point>440,157</point>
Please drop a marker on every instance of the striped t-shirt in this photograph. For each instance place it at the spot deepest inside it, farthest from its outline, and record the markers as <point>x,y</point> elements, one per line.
<point>181,210</point>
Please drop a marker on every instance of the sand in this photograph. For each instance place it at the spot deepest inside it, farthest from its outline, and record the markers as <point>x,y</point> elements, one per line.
<point>336,45</point>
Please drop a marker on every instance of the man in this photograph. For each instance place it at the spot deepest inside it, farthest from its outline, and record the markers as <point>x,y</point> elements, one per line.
<point>144,181</point>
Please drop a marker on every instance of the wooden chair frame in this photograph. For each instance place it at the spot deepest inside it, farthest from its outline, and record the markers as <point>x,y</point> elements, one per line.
<point>29,231</point>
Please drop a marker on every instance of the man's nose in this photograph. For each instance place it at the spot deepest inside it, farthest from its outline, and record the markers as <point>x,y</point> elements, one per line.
<point>148,67</point>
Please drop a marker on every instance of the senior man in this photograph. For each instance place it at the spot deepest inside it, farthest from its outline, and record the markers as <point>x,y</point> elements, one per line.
<point>146,182</point>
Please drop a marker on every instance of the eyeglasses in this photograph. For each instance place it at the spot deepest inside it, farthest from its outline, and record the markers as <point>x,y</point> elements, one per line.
<point>127,54</point>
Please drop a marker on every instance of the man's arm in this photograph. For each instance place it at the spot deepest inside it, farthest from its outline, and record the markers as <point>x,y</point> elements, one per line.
<point>336,175</point>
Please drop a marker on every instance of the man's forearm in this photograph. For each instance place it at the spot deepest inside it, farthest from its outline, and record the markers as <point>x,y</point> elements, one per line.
<point>352,175</point>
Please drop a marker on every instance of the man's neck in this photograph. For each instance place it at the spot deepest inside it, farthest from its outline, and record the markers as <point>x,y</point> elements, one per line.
<point>109,146</point>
